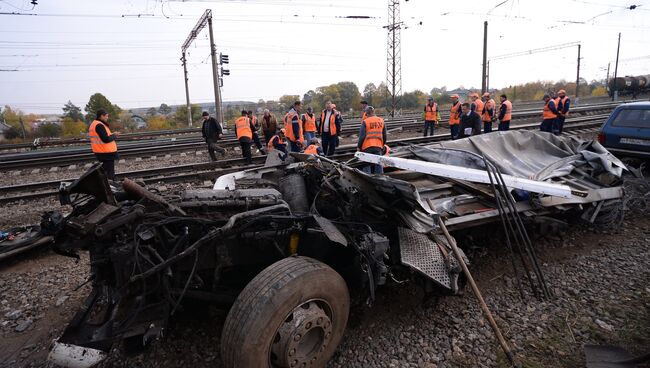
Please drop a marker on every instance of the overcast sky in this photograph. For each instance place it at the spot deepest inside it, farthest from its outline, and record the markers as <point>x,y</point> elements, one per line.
<point>129,50</point>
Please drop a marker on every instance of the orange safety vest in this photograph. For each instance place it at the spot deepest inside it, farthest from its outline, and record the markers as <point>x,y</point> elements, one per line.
<point>431,112</point>
<point>270,146</point>
<point>243,128</point>
<point>332,122</point>
<point>96,143</point>
<point>288,126</point>
<point>254,121</point>
<point>547,113</point>
<point>311,150</point>
<point>490,104</point>
<point>479,106</point>
<point>508,115</point>
<point>374,132</point>
<point>310,123</point>
<point>560,102</point>
<point>364,116</point>
<point>454,114</point>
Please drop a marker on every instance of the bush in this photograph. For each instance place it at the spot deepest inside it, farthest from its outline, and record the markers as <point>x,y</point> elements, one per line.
<point>599,92</point>
<point>158,123</point>
<point>73,128</point>
<point>49,130</point>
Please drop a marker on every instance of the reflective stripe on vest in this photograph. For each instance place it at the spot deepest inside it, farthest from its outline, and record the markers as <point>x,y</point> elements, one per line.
<point>311,150</point>
<point>332,122</point>
<point>96,143</point>
<point>485,113</point>
<point>310,123</point>
<point>547,113</point>
<point>374,132</point>
<point>431,112</point>
<point>454,114</point>
<point>271,146</point>
<point>559,105</point>
<point>288,126</point>
<point>243,127</point>
<point>508,115</point>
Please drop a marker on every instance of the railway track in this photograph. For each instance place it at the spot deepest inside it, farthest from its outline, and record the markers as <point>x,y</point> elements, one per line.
<point>211,170</point>
<point>176,136</point>
<point>65,157</point>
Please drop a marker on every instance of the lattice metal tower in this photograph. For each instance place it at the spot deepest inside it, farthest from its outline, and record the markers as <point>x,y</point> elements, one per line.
<point>394,58</point>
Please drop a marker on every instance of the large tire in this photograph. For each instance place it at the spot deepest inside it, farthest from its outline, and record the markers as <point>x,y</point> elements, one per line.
<point>292,314</point>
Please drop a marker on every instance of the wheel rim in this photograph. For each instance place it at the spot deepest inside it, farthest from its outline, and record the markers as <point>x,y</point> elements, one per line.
<point>303,336</point>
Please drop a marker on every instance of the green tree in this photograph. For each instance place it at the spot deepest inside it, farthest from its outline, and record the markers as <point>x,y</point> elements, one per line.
<point>73,128</point>
<point>152,111</point>
<point>288,100</point>
<point>308,97</point>
<point>49,130</point>
<point>72,111</point>
<point>180,117</point>
<point>99,101</point>
<point>369,91</point>
<point>164,109</point>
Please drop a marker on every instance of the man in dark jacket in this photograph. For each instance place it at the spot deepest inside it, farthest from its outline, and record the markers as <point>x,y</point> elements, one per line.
<point>470,122</point>
<point>269,125</point>
<point>211,133</point>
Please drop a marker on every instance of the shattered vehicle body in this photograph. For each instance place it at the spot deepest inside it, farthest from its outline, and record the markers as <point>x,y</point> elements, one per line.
<point>284,245</point>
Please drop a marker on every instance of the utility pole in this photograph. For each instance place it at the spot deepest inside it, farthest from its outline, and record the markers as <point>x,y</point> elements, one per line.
<point>618,48</point>
<point>607,78</point>
<point>215,74</point>
<point>484,76</point>
<point>187,92</point>
<point>394,57</point>
<point>578,75</point>
<point>487,77</point>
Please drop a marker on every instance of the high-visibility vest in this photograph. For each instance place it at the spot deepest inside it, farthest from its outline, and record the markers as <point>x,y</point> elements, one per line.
<point>96,143</point>
<point>374,132</point>
<point>478,106</point>
<point>508,115</point>
<point>559,105</point>
<point>431,112</point>
<point>364,116</point>
<point>273,139</point>
<point>288,126</point>
<point>547,113</point>
<point>311,150</point>
<point>454,114</point>
<point>485,113</point>
<point>310,123</point>
<point>243,127</point>
<point>332,122</point>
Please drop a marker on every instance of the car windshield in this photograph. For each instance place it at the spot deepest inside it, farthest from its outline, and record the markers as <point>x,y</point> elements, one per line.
<point>632,118</point>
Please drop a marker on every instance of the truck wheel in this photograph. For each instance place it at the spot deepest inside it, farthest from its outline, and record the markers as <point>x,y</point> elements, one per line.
<point>292,314</point>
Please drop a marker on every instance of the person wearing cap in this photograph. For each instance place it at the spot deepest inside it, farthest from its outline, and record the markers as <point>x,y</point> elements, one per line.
<point>431,116</point>
<point>505,113</point>
<point>329,126</point>
<point>470,122</point>
<point>363,104</point>
<point>244,130</point>
<point>372,137</point>
<point>256,137</point>
<point>293,127</point>
<point>314,147</point>
<point>562,103</point>
<point>487,114</point>
<point>211,130</point>
<point>549,115</point>
<point>277,142</point>
<point>269,125</point>
<point>309,124</point>
<point>454,116</point>
<point>102,143</point>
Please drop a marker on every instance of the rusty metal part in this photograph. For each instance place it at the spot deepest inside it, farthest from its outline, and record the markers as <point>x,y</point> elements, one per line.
<point>135,189</point>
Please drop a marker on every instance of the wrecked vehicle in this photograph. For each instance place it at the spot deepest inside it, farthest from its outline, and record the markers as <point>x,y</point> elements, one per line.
<point>285,244</point>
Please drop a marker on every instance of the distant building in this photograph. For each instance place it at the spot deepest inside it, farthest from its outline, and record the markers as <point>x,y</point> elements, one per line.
<point>140,122</point>
<point>4,128</point>
<point>42,121</point>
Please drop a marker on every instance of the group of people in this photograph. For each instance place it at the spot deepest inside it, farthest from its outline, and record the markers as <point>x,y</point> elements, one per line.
<point>555,112</point>
<point>469,118</point>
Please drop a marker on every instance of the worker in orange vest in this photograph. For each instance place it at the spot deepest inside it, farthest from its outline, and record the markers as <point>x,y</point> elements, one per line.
<point>372,137</point>
<point>487,113</point>
<point>277,143</point>
<point>244,129</point>
<point>562,103</point>
<point>309,124</point>
<point>256,136</point>
<point>329,127</point>
<point>431,116</point>
<point>549,114</point>
<point>477,104</point>
<point>454,116</point>
<point>314,148</point>
<point>293,127</point>
<point>102,143</point>
<point>505,113</point>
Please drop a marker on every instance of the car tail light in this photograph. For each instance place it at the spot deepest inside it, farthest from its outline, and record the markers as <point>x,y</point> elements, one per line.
<point>601,138</point>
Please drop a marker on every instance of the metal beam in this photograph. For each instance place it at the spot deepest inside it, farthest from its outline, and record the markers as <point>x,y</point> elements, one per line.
<point>197,28</point>
<point>473,175</point>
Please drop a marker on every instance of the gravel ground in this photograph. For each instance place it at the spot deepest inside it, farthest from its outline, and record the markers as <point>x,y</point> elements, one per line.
<point>600,283</point>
